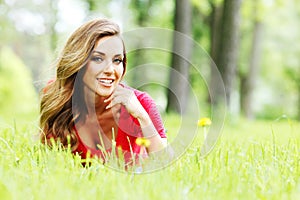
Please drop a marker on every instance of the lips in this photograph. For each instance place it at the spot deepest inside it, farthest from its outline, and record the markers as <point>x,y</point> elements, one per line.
<point>106,81</point>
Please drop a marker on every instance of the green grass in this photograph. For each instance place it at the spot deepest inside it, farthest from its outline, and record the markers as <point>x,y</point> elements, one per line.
<point>252,160</point>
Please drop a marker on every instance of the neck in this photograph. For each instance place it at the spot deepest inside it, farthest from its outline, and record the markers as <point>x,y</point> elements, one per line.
<point>96,105</point>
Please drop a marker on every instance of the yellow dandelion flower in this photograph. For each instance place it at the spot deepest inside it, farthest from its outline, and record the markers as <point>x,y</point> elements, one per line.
<point>142,142</point>
<point>205,121</point>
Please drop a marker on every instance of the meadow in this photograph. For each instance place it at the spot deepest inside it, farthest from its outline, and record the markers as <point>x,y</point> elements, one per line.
<point>251,160</point>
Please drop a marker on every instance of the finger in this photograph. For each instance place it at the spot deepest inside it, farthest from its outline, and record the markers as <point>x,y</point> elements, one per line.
<point>109,98</point>
<point>116,100</point>
<point>116,92</point>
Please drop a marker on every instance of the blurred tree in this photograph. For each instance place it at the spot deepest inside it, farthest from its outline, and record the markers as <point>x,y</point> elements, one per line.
<point>250,77</point>
<point>141,9</point>
<point>293,65</point>
<point>215,23</point>
<point>182,48</point>
<point>277,93</point>
<point>297,78</point>
<point>29,28</point>
<point>98,7</point>
<point>17,95</point>
<point>92,5</point>
<point>215,26</point>
<point>294,75</point>
<point>227,52</point>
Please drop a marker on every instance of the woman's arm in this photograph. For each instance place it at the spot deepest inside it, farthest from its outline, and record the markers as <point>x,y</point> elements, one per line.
<point>149,131</point>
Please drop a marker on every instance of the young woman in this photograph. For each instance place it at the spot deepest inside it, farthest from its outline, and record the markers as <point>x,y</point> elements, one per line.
<point>87,106</point>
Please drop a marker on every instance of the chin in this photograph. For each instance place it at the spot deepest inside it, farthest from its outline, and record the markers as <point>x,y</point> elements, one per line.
<point>104,93</point>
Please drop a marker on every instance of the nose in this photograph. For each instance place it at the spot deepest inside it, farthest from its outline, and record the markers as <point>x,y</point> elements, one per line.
<point>109,69</point>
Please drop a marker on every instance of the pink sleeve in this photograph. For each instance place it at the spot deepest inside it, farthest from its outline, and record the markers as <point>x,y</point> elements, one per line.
<point>150,107</point>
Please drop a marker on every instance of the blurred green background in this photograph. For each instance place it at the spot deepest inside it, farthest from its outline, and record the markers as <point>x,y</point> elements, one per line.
<point>261,38</point>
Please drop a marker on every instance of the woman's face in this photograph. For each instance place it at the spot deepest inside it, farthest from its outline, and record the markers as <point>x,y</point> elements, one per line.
<point>105,66</point>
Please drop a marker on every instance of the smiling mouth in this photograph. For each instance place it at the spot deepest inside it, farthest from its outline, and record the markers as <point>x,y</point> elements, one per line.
<point>105,81</point>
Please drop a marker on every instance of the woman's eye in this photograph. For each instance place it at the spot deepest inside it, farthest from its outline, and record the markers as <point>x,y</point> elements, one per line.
<point>118,61</point>
<point>97,59</point>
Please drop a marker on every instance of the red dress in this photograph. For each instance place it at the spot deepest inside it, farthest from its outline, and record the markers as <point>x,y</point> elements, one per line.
<point>129,129</point>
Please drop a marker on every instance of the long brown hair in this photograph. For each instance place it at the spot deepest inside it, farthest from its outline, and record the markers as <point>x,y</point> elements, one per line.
<point>56,115</point>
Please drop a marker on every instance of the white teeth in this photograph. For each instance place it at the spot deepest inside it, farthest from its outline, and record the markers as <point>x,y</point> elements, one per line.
<point>106,81</point>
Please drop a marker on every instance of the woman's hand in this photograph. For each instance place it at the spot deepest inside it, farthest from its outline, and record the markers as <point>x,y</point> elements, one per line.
<point>127,98</point>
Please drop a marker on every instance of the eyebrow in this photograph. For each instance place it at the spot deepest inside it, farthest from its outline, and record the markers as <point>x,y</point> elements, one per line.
<point>101,53</point>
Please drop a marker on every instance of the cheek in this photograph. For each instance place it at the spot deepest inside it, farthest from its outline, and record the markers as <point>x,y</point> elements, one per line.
<point>89,74</point>
<point>91,70</point>
<point>120,70</point>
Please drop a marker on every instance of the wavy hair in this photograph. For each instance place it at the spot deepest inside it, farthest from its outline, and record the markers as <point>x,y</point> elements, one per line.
<point>57,118</point>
